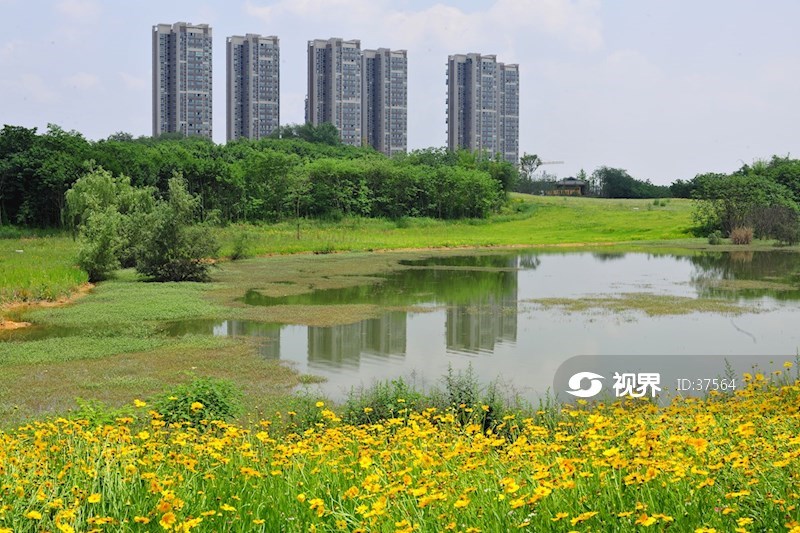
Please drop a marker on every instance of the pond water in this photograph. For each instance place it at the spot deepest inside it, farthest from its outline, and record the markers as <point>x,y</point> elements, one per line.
<point>494,313</point>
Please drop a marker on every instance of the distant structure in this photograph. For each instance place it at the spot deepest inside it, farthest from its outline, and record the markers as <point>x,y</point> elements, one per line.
<point>182,79</point>
<point>569,187</point>
<point>384,100</point>
<point>334,86</point>
<point>253,86</point>
<point>483,105</point>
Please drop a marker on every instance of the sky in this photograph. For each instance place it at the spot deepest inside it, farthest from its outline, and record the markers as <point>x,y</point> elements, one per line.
<point>665,89</point>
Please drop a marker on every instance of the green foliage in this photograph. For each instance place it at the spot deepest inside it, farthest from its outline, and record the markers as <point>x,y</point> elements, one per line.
<point>528,164</point>
<point>460,394</point>
<point>172,249</point>
<point>242,242</point>
<point>381,401</point>
<point>34,266</point>
<point>201,399</point>
<point>98,413</point>
<point>292,174</point>
<point>617,183</point>
<point>100,244</point>
<point>682,189</point>
<point>325,133</point>
<point>536,184</point>
<point>715,237</point>
<point>726,202</point>
<point>108,214</point>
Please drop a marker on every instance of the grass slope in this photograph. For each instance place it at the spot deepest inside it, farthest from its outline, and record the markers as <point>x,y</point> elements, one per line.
<point>530,221</point>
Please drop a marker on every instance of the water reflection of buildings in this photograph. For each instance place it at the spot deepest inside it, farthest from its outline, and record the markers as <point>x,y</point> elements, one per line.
<point>268,336</point>
<point>345,344</point>
<point>488,319</point>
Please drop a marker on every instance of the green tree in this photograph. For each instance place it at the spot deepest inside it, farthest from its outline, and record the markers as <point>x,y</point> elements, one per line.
<point>727,202</point>
<point>617,183</point>
<point>100,244</point>
<point>528,164</point>
<point>172,248</point>
<point>107,215</point>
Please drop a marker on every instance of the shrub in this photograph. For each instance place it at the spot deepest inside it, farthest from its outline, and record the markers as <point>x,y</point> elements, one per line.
<point>100,242</point>
<point>742,235</point>
<point>97,412</point>
<point>779,222</point>
<point>715,237</point>
<point>788,235</point>
<point>171,248</point>
<point>380,401</point>
<point>201,399</point>
<point>241,245</point>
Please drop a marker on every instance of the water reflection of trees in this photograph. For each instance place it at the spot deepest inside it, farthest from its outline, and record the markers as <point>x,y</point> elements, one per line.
<point>716,274</point>
<point>608,256</point>
<point>481,310</point>
<point>459,284</point>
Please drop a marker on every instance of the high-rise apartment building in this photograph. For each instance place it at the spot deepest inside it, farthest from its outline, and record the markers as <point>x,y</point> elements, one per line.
<point>334,87</point>
<point>509,113</point>
<point>182,79</point>
<point>384,101</point>
<point>483,105</point>
<point>253,86</point>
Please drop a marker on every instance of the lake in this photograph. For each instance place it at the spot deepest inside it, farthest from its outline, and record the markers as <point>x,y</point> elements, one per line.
<point>517,317</point>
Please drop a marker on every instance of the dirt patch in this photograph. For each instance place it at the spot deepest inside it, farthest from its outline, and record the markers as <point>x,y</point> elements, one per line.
<point>6,325</point>
<point>15,309</point>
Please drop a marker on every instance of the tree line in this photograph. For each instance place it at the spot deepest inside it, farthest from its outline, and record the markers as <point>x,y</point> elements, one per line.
<point>762,198</point>
<point>604,182</point>
<point>300,171</point>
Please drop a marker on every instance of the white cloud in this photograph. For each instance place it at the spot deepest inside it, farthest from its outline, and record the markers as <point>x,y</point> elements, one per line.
<point>81,10</point>
<point>576,23</point>
<point>82,80</point>
<point>30,87</point>
<point>517,31</point>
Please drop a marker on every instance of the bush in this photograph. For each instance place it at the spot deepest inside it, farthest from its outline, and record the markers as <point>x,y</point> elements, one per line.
<point>381,401</point>
<point>788,235</point>
<point>715,237</point>
<point>742,235</point>
<point>171,248</point>
<point>241,245</point>
<point>201,399</point>
<point>97,412</point>
<point>779,222</point>
<point>100,243</point>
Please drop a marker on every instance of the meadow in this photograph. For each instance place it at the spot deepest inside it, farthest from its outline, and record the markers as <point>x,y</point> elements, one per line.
<point>45,268</point>
<point>526,221</point>
<point>724,463</point>
<point>295,463</point>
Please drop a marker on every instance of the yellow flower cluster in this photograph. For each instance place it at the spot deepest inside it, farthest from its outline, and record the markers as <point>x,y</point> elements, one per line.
<point>726,463</point>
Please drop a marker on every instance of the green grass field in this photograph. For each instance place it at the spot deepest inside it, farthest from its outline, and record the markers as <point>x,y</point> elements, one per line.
<point>725,463</point>
<point>530,220</point>
<point>38,268</point>
<point>45,268</point>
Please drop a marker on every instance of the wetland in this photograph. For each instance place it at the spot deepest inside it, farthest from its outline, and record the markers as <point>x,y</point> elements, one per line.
<point>340,321</point>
